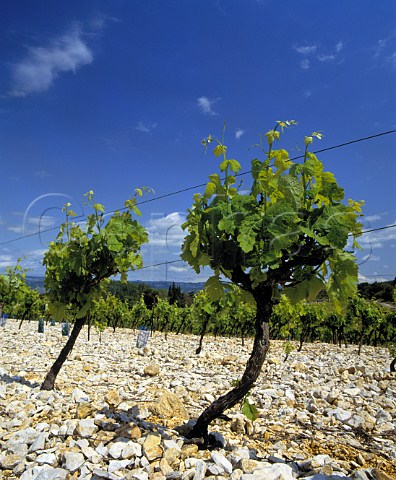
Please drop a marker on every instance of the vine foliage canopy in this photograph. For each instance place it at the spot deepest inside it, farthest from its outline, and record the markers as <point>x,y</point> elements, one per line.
<point>290,232</point>
<point>83,257</point>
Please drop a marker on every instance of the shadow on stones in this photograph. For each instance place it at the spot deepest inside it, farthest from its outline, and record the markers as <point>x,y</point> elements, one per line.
<point>123,418</point>
<point>17,379</point>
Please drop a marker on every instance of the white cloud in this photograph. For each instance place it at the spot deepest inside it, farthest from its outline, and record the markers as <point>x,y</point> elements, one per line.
<point>311,50</point>
<point>16,229</point>
<point>38,253</point>
<point>6,261</point>
<point>33,261</point>
<point>165,239</point>
<point>33,224</point>
<point>238,133</point>
<point>100,21</point>
<point>161,222</point>
<point>44,221</point>
<point>307,93</point>
<point>372,218</point>
<point>306,50</point>
<point>370,256</point>
<point>380,47</point>
<point>384,51</point>
<point>371,279</point>
<point>42,65</point>
<point>206,105</point>
<point>166,231</point>
<point>172,268</point>
<point>378,239</point>
<point>145,127</point>
<point>161,255</point>
<point>326,58</point>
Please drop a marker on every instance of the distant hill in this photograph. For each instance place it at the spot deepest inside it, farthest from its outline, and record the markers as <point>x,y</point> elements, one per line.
<point>185,287</point>
<point>380,291</point>
<point>36,282</point>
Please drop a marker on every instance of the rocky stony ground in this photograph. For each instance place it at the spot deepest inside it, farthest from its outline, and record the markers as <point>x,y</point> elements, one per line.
<point>325,413</point>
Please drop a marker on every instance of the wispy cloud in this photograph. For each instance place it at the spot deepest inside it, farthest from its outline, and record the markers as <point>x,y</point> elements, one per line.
<point>38,253</point>
<point>145,127</point>
<point>42,65</point>
<point>32,260</point>
<point>98,22</point>
<point>172,268</point>
<point>371,279</point>
<point>379,239</point>
<point>15,228</point>
<point>384,51</point>
<point>372,218</point>
<point>33,224</point>
<point>392,59</point>
<point>43,174</point>
<point>325,58</point>
<point>369,256</point>
<point>206,105</point>
<point>6,261</point>
<point>310,52</point>
<point>165,231</point>
<point>380,47</point>
<point>305,50</point>
<point>44,221</point>
<point>238,133</point>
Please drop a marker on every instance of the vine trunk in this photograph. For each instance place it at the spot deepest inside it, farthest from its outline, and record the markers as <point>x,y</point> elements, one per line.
<point>393,365</point>
<point>249,377</point>
<point>49,381</point>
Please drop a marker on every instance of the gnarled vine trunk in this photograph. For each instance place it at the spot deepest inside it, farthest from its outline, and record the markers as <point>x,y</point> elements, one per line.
<point>23,318</point>
<point>203,331</point>
<point>49,381</point>
<point>252,370</point>
<point>393,365</point>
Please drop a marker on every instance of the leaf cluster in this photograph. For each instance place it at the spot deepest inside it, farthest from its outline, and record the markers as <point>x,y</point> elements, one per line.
<point>13,287</point>
<point>84,256</point>
<point>290,231</point>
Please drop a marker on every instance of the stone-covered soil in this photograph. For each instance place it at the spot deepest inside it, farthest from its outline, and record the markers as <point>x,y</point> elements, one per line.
<point>325,413</point>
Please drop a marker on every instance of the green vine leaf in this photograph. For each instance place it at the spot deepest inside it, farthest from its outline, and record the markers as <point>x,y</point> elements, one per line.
<point>305,290</point>
<point>249,410</point>
<point>214,288</point>
<point>343,278</point>
<point>227,224</point>
<point>219,150</point>
<point>233,165</point>
<point>210,189</point>
<point>99,207</point>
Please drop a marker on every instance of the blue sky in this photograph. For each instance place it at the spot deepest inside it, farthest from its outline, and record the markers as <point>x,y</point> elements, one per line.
<point>110,96</point>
